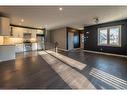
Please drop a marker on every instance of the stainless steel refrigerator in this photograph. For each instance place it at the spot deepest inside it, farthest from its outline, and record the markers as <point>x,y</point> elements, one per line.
<point>40,42</point>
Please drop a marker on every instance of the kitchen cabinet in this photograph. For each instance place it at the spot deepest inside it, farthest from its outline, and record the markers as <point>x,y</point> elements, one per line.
<point>28,30</point>
<point>7,52</point>
<point>40,32</point>
<point>34,46</point>
<point>33,32</point>
<point>4,26</point>
<point>19,48</point>
<point>18,32</point>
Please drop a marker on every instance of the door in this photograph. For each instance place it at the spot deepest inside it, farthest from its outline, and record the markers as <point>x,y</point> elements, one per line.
<point>76,40</point>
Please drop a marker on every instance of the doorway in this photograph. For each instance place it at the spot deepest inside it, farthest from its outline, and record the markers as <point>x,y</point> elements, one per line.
<point>73,40</point>
<point>76,40</point>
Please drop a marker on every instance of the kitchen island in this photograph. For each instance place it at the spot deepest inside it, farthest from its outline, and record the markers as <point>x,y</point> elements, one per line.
<point>7,52</point>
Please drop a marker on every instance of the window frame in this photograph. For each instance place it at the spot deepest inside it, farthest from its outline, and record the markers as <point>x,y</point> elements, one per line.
<point>108,36</point>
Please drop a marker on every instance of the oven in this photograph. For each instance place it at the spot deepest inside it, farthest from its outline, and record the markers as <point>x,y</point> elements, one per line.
<point>27,42</point>
<point>27,46</point>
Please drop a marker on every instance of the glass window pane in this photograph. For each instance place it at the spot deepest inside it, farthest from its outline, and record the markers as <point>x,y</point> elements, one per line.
<point>114,38</point>
<point>103,37</point>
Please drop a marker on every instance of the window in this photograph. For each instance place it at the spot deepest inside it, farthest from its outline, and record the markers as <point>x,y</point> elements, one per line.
<point>103,36</point>
<point>114,36</point>
<point>109,36</point>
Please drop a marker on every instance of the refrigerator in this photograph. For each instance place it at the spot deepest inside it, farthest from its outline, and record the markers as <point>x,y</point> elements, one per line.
<point>40,42</point>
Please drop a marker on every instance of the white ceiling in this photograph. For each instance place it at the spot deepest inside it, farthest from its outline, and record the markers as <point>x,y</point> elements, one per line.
<point>74,16</point>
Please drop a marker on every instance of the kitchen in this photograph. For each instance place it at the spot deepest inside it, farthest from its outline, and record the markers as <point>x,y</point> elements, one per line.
<point>16,38</point>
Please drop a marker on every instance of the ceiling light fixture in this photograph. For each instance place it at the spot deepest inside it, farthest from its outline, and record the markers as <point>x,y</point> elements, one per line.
<point>96,20</point>
<point>60,8</point>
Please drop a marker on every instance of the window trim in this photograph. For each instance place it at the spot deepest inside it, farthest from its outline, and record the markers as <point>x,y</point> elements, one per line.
<point>108,38</point>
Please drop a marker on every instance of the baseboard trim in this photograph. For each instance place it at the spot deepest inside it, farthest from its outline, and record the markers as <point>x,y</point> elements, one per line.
<point>62,49</point>
<point>76,48</point>
<point>7,60</point>
<point>106,53</point>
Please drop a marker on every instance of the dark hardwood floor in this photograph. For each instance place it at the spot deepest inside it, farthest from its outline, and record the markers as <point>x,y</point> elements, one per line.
<point>30,71</point>
<point>110,64</point>
<point>116,66</point>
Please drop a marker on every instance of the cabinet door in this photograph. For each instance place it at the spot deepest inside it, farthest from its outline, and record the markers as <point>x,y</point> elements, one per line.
<point>34,46</point>
<point>4,26</point>
<point>33,33</point>
<point>19,48</point>
<point>18,32</point>
<point>40,32</point>
<point>14,32</point>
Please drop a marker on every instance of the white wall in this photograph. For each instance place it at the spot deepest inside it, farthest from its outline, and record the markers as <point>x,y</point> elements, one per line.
<point>59,35</point>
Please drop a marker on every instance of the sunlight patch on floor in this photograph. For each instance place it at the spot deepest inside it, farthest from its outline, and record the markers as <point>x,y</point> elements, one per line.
<point>68,60</point>
<point>109,79</point>
<point>72,77</point>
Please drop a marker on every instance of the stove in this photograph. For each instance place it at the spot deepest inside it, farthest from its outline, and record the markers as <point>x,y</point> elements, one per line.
<point>27,46</point>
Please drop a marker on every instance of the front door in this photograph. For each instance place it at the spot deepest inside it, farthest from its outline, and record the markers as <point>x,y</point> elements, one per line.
<point>76,40</point>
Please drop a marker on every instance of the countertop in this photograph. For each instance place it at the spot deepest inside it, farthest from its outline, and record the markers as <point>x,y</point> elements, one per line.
<point>8,45</point>
<point>14,44</point>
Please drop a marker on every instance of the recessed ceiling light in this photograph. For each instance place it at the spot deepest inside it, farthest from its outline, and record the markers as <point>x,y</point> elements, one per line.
<point>60,8</point>
<point>22,20</point>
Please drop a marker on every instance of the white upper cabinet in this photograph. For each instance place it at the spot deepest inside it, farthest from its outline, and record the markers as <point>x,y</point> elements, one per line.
<point>18,32</point>
<point>33,33</point>
<point>40,32</point>
<point>4,26</point>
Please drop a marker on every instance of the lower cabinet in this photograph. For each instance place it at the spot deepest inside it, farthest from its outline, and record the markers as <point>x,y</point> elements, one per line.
<point>34,46</point>
<point>19,48</point>
<point>7,52</point>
